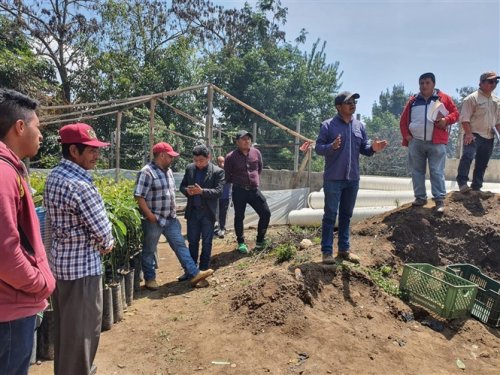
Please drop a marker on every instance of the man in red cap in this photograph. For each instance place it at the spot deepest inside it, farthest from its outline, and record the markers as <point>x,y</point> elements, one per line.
<point>155,195</point>
<point>25,278</point>
<point>81,232</point>
<point>480,117</point>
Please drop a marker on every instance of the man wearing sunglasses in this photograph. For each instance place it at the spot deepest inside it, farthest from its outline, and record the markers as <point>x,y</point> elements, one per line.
<point>480,114</point>
<point>341,140</point>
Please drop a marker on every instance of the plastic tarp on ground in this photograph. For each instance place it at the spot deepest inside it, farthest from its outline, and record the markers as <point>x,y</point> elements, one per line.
<point>280,202</point>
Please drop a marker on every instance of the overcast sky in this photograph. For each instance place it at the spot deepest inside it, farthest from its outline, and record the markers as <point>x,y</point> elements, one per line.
<point>382,43</point>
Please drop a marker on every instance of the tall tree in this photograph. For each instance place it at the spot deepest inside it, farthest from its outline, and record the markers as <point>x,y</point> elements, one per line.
<point>62,29</point>
<point>20,68</point>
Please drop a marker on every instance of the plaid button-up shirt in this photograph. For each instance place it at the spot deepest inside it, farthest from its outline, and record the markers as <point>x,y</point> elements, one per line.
<point>157,187</point>
<point>80,225</point>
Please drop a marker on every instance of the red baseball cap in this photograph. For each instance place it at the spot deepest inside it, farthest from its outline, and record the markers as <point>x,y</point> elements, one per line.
<point>80,133</point>
<point>164,147</point>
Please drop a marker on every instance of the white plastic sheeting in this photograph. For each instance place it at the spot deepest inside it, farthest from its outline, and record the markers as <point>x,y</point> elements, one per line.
<point>280,203</point>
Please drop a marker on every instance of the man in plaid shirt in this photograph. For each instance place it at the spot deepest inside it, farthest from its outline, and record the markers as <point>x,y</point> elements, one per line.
<point>81,233</point>
<point>155,195</point>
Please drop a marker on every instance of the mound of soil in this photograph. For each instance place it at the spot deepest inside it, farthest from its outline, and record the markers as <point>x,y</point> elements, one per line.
<point>303,317</point>
<point>468,232</point>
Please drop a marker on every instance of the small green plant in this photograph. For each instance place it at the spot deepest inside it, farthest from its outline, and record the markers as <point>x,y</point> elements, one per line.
<point>316,240</point>
<point>381,278</point>
<point>284,252</point>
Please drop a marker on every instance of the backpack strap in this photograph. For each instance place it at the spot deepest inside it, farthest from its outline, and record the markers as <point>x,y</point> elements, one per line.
<point>22,235</point>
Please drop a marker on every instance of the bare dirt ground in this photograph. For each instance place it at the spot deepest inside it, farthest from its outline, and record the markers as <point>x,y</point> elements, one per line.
<point>260,317</point>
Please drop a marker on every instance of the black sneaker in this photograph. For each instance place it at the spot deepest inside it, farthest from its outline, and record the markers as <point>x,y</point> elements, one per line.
<point>419,202</point>
<point>439,206</point>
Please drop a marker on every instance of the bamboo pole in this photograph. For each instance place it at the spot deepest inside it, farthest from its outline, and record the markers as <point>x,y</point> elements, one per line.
<point>143,97</point>
<point>151,126</point>
<point>76,119</point>
<point>260,114</point>
<point>209,119</point>
<point>118,145</point>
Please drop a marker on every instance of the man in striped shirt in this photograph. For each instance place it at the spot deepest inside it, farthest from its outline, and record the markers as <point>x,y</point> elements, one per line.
<point>81,233</point>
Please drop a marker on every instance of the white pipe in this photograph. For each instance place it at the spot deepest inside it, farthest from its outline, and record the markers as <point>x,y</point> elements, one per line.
<point>311,216</point>
<point>367,198</point>
<point>405,184</point>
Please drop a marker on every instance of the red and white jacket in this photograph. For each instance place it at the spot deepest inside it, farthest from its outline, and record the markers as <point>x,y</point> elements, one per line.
<point>439,136</point>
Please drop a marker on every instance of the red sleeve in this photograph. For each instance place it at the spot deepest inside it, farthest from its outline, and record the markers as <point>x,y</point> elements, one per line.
<point>15,268</point>
<point>453,114</point>
<point>404,122</point>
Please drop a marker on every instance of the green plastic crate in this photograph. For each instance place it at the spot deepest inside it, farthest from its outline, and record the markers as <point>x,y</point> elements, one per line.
<point>444,293</point>
<point>487,304</point>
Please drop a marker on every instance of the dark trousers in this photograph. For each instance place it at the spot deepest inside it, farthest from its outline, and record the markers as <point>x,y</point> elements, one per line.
<point>480,150</point>
<point>200,226</point>
<point>223,206</point>
<point>16,343</point>
<point>78,315</point>
<point>242,197</point>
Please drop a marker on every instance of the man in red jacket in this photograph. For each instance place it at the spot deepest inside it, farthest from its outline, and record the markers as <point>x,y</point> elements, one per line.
<point>424,126</point>
<point>25,278</point>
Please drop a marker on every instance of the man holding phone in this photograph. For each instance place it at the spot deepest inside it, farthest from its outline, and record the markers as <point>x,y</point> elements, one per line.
<point>202,185</point>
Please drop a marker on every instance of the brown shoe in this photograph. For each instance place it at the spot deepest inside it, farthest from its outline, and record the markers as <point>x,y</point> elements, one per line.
<point>152,284</point>
<point>328,259</point>
<point>202,275</point>
<point>347,255</point>
<point>202,284</point>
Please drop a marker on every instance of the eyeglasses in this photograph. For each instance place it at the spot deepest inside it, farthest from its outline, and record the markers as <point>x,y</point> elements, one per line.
<point>491,81</point>
<point>351,102</point>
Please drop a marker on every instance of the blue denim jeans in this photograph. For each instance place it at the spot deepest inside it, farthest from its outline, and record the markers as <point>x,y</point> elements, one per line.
<point>419,154</point>
<point>16,344</point>
<point>481,150</point>
<point>199,225</point>
<point>173,234</point>
<point>340,196</point>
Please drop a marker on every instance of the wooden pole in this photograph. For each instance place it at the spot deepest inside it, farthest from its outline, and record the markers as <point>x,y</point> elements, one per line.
<point>117,145</point>
<point>152,127</point>
<point>296,150</point>
<point>260,114</point>
<point>209,120</point>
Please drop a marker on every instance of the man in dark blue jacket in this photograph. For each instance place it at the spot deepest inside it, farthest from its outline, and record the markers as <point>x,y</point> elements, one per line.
<point>341,139</point>
<point>202,185</point>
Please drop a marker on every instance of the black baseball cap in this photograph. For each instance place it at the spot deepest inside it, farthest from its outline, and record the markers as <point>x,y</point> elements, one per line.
<point>345,96</point>
<point>242,133</point>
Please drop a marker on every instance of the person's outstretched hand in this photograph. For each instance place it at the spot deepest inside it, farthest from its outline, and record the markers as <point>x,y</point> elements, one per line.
<point>379,145</point>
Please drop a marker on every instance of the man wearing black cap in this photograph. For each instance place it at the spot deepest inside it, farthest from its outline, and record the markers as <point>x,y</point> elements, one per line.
<point>243,167</point>
<point>341,139</point>
<point>479,117</point>
<point>424,126</point>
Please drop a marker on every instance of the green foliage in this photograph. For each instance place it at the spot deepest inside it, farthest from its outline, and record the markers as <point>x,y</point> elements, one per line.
<point>124,216</point>
<point>381,277</point>
<point>284,252</point>
<point>21,68</point>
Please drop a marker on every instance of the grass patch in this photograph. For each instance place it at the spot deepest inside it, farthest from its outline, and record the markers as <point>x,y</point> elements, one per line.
<point>284,252</point>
